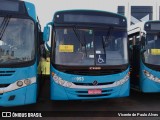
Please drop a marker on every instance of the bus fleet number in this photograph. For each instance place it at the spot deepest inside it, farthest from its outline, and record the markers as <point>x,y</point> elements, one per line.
<point>79,79</point>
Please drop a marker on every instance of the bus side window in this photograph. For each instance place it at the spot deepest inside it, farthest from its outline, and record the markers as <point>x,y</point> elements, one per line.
<point>53,34</point>
<point>134,41</point>
<point>143,42</point>
<point>41,45</point>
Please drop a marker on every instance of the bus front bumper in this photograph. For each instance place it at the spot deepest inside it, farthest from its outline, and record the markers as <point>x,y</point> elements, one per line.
<point>59,92</point>
<point>21,96</point>
<point>149,86</point>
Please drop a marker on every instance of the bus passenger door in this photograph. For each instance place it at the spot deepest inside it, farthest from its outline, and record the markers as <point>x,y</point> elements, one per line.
<point>134,57</point>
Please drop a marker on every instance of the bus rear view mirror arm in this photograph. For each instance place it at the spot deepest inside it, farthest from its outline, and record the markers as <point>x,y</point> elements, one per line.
<point>48,47</point>
<point>46,32</point>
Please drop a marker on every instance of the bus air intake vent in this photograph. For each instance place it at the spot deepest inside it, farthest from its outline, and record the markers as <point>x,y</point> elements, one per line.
<point>6,73</point>
<point>4,85</point>
<point>91,84</point>
<point>94,73</point>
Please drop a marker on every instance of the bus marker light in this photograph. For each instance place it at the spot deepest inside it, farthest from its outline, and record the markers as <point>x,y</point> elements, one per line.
<point>52,74</point>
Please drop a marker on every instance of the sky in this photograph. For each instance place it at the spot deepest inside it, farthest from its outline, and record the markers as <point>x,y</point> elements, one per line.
<point>46,8</point>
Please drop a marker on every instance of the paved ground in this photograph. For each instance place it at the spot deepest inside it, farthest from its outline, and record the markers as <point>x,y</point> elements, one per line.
<point>135,102</point>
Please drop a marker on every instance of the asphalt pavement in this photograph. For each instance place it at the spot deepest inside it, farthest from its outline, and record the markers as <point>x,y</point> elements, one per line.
<point>96,109</point>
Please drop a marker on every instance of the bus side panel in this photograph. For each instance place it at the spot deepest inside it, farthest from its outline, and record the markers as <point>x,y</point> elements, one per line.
<point>57,92</point>
<point>18,100</point>
<point>146,84</point>
<point>23,96</point>
<point>31,94</point>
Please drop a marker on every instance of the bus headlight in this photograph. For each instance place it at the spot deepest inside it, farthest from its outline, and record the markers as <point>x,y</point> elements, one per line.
<point>147,73</point>
<point>19,83</point>
<point>60,81</point>
<point>56,78</point>
<point>123,80</point>
<point>27,81</point>
<point>151,77</point>
<point>68,84</point>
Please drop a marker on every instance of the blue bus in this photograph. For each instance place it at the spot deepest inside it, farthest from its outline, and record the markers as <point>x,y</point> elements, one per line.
<point>144,41</point>
<point>89,55</point>
<point>19,46</point>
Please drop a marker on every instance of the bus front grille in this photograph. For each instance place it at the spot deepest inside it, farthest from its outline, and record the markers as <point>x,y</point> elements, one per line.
<point>93,73</point>
<point>91,84</point>
<point>4,85</point>
<point>6,73</point>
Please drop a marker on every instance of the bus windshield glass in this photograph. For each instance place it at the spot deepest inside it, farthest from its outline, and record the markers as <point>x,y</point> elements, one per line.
<point>89,47</point>
<point>16,40</point>
<point>152,53</point>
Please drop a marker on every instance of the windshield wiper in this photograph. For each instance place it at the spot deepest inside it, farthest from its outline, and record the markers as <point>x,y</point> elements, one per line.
<point>77,35</point>
<point>85,45</point>
<point>78,38</point>
<point>106,39</point>
<point>103,43</point>
<point>4,25</point>
<point>108,36</point>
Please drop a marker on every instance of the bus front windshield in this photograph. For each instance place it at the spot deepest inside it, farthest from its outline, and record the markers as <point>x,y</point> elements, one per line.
<point>152,53</point>
<point>90,47</point>
<point>16,40</point>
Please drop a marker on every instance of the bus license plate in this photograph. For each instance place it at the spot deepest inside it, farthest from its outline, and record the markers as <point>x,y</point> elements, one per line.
<point>96,91</point>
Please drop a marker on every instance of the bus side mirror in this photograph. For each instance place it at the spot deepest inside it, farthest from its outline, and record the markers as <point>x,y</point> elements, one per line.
<point>46,33</point>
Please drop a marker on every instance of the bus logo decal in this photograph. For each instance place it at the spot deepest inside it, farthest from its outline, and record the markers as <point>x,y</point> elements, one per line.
<point>79,79</point>
<point>100,58</point>
<point>95,83</point>
<point>94,68</point>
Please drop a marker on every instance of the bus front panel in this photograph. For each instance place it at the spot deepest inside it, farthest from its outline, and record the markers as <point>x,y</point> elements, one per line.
<point>73,87</point>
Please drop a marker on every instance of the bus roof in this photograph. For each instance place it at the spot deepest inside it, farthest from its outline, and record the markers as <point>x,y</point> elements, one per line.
<point>91,11</point>
<point>17,7</point>
<point>89,17</point>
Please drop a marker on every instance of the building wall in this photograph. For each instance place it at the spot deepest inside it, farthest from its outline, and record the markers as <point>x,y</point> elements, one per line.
<point>147,5</point>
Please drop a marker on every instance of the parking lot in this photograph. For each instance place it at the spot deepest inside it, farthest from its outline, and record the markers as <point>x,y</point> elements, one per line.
<point>93,108</point>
